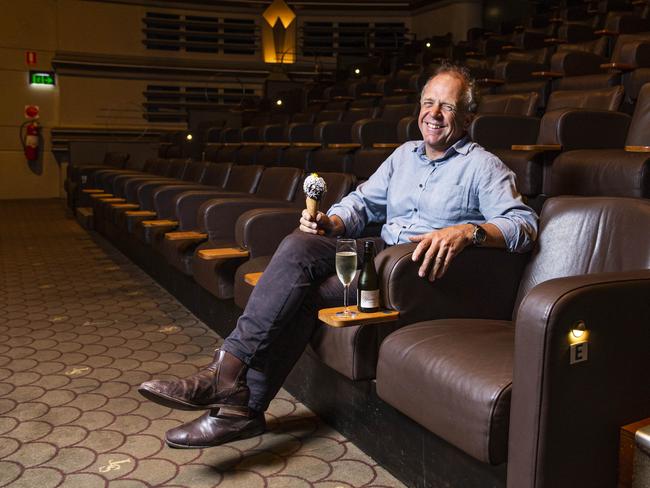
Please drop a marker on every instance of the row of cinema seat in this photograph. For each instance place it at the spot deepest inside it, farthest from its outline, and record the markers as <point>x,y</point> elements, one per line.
<point>480,359</point>
<point>477,370</point>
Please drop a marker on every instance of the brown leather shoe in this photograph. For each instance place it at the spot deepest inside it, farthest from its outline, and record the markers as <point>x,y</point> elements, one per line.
<point>221,384</point>
<point>212,429</point>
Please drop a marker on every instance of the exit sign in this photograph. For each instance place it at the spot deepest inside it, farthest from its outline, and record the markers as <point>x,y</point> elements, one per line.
<point>42,78</point>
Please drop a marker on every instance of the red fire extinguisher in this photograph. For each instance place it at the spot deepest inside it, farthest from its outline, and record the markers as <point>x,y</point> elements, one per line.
<point>29,136</point>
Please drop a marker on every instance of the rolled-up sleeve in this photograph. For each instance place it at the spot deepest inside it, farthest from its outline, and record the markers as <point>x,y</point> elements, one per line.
<point>366,204</point>
<point>502,205</point>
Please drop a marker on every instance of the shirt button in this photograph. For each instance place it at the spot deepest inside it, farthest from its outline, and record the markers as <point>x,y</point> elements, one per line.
<point>420,185</point>
<point>415,209</point>
<point>403,227</point>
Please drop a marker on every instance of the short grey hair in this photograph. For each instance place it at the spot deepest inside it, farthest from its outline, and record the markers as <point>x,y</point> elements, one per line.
<point>471,95</point>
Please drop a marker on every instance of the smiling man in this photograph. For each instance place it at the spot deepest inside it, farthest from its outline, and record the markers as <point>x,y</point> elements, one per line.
<point>444,192</point>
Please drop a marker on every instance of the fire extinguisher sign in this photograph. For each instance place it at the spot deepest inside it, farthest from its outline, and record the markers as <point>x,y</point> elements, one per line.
<point>31,111</point>
<point>30,58</point>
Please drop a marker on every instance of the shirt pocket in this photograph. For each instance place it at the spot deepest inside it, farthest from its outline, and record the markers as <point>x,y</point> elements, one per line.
<point>444,203</point>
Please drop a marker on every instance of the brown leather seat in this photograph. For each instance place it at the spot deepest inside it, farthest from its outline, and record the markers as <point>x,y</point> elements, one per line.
<point>456,376</point>
<point>261,231</point>
<point>276,185</point>
<point>613,172</point>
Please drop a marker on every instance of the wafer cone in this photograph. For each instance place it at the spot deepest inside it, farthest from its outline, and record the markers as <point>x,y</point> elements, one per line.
<point>312,207</point>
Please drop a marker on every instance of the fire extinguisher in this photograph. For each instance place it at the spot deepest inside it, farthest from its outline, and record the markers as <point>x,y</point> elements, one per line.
<point>29,137</point>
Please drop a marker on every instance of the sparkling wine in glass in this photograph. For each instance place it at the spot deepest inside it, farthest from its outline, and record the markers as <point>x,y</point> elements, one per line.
<point>346,267</point>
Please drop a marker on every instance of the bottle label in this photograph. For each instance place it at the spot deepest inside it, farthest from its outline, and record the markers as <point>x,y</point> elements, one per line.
<point>369,299</point>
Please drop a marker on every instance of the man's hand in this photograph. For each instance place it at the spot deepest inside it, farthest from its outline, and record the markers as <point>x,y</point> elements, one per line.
<point>322,225</point>
<point>439,247</point>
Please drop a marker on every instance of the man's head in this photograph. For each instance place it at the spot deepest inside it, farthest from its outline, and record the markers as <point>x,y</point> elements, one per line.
<point>447,106</point>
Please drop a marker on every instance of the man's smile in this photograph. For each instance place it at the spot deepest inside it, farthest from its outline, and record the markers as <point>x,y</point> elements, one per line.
<point>433,125</point>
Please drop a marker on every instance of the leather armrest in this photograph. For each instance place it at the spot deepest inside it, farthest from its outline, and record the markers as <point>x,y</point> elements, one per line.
<point>187,205</point>
<point>618,66</point>
<point>559,409</point>
<point>218,217</point>
<point>606,32</point>
<point>501,131</point>
<point>369,131</point>
<point>163,198</point>
<point>261,230</point>
<point>552,41</point>
<point>575,63</point>
<point>584,129</point>
<point>480,283</point>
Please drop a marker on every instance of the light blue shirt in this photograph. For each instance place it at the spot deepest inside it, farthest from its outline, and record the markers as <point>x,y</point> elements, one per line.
<point>411,195</point>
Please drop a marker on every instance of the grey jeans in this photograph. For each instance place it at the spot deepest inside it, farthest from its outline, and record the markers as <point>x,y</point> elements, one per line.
<point>281,313</point>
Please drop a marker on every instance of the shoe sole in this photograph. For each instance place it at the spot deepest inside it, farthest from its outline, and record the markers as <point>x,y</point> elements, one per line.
<point>167,401</point>
<point>239,437</point>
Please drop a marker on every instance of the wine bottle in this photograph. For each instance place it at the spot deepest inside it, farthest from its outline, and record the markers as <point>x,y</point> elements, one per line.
<point>368,285</point>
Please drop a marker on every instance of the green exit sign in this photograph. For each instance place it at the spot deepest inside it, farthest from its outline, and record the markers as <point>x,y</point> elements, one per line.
<point>42,78</point>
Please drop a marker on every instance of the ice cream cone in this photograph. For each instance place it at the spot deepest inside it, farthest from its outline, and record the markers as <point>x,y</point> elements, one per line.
<point>312,207</point>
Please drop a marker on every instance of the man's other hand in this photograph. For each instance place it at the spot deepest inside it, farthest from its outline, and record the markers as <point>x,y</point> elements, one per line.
<point>322,225</point>
<point>439,247</point>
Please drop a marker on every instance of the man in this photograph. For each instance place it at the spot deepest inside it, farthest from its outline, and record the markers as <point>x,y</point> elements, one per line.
<point>445,193</point>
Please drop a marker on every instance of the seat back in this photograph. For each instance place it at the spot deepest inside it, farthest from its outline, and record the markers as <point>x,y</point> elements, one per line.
<point>116,159</point>
<point>585,235</point>
<point>338,185</point>
<point>511,104</point>
<point>393,113</point>
<point>216,174</point>
<point>639,132</point>
<point>194,171</point>
<point>244,179</point>
<point>159,167</point>
<point>279,183</point>
<point>177,168</point>
<point>596,99</point>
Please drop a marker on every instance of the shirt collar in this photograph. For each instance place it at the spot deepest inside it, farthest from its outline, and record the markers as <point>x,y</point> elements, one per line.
<point>461,146</point>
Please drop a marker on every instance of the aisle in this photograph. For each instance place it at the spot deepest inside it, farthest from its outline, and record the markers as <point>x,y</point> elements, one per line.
<point>80,328</point>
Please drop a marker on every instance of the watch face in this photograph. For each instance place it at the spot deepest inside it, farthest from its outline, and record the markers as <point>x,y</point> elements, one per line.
<point>479,236</point>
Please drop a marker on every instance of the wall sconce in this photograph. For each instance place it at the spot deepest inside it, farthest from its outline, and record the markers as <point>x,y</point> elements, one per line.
<point>188,137</point>
<point>428,44</point>
<point>278,103</point>
<point>357,71</point>
<point>579,343</point>
<point>578,330</point>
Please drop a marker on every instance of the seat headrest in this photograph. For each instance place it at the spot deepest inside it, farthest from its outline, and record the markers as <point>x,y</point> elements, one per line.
<point>585,235</point>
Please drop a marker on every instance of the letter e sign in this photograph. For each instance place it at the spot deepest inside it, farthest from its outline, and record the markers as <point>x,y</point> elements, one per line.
<point>579,352</point>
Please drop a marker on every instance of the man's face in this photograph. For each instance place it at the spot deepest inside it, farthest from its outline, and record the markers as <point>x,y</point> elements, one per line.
<point>442,118</point>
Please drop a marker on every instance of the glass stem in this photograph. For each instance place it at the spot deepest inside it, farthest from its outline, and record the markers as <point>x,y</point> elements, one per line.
<point>345,299</point>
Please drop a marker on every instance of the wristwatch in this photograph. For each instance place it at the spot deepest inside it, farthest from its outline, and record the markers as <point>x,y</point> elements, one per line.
<point>479,236</point>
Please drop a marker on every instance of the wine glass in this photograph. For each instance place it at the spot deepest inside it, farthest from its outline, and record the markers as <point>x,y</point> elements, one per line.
<point>346,267</point>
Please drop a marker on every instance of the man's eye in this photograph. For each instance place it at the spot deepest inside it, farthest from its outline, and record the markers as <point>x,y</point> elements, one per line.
<point>448,108</point>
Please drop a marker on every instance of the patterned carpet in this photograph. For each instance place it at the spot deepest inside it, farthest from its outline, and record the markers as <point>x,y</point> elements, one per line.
<point>80,328</point>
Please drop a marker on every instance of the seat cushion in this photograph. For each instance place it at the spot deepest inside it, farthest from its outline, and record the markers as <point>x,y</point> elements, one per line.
<point>454,377</point>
